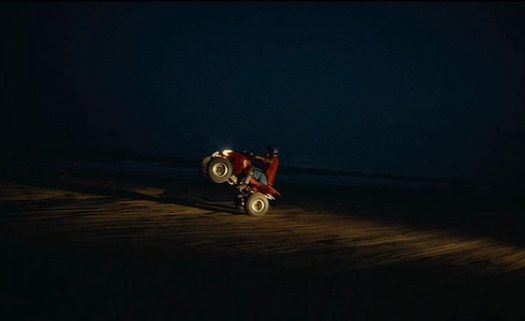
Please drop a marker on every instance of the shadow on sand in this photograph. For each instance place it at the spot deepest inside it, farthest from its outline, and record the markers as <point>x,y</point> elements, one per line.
<point>220,203</point>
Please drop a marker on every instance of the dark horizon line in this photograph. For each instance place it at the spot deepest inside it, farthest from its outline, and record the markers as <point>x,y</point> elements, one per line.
<point>178,161</point>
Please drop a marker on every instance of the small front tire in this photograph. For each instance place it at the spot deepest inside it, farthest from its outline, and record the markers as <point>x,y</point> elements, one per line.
<point>219,169</point>
<point>204,166</point>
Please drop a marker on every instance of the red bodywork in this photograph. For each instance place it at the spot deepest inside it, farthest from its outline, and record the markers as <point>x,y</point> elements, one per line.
<point>240,164</point>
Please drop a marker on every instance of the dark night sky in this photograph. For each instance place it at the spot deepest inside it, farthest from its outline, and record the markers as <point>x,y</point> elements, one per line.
<point>420,89</point>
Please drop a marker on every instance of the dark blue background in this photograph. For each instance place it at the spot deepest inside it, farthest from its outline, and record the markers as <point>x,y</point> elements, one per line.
<point>420,89</point>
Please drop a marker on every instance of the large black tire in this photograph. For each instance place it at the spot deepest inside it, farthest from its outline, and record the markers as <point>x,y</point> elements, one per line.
<point>239,202</point>
<point>257,205</point>
<point>204,166</point>
<point>219,170</point>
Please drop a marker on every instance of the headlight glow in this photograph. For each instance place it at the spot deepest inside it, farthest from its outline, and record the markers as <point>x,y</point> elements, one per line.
<point>226,152</point>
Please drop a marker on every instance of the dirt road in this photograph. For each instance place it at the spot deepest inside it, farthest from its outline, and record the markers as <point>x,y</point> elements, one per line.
<point>91,248</point>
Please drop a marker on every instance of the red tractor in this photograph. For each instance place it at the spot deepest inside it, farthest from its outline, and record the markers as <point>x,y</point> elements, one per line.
<point>231,167</point>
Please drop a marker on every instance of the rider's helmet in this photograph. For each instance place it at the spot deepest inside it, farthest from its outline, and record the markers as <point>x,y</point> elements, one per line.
<point>272,149</point>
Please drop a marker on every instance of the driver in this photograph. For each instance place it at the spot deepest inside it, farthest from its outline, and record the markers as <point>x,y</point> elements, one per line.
<point>266,175</point>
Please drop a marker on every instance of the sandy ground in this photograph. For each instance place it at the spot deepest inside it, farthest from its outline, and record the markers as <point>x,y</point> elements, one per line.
<point>80,246</point>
